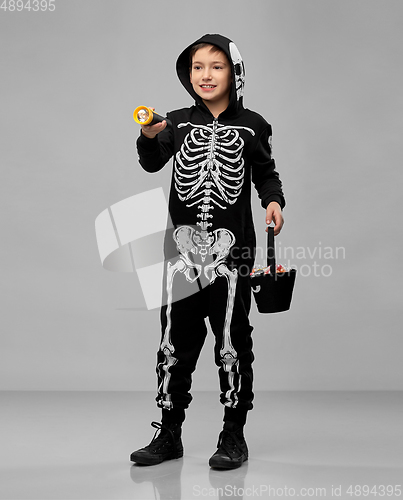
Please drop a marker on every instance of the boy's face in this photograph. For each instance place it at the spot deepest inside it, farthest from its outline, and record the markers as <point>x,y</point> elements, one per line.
<point>210,76</point>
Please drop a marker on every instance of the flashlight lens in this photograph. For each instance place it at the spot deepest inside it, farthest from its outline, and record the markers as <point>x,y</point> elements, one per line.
<point>142,115</point>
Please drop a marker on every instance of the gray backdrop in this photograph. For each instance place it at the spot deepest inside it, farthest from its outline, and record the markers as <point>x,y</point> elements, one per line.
<point>326,74</point>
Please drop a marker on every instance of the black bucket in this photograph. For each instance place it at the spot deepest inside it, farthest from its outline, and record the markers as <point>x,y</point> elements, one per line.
<point>273,292</point>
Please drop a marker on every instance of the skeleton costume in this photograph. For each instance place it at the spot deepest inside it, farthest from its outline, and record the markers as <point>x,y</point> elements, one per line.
<point>212,245</point>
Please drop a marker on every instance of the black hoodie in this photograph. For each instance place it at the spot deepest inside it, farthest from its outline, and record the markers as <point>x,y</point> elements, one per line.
<point>215,158</point>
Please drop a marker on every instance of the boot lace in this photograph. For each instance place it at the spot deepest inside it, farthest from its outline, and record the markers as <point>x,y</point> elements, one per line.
<point>165,439</point>
<point>230,443</point>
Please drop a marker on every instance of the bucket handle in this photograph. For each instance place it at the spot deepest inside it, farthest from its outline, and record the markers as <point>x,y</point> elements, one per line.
<point>271,253</point>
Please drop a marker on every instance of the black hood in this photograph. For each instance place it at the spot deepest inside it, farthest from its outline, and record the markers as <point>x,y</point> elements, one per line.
<point>237,69</point>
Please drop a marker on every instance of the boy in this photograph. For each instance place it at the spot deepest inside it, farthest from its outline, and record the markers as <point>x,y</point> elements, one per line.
<point>218,146</point>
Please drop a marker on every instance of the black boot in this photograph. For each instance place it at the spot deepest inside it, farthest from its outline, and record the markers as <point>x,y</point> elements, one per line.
<point>166,446</point>
<point>232,449</point>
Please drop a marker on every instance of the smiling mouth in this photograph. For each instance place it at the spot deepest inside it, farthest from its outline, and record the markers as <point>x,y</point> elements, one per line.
<point>208,86</point>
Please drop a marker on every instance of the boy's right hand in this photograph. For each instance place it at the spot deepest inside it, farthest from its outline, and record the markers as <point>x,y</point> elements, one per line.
<point>152,131</point>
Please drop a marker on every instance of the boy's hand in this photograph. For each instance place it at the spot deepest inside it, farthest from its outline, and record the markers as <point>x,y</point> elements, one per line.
<point>151,131</point>
<point>274,213</point>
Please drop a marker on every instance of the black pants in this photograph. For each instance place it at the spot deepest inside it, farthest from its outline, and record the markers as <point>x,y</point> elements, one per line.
<point>183,335</point>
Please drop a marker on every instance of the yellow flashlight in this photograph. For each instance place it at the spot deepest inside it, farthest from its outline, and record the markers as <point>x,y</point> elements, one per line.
<point>146,116</point>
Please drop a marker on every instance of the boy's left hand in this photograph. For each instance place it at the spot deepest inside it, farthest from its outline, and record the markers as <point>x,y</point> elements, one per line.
<point>274,213</point>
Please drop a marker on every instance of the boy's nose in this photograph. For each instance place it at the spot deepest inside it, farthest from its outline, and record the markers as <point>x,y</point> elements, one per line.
<point>206,74</point>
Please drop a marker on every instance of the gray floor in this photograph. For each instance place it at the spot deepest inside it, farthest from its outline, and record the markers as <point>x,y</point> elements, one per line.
<point>76,445</point>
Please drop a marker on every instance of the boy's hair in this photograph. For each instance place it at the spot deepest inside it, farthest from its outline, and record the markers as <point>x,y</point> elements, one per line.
<point>198,46</point>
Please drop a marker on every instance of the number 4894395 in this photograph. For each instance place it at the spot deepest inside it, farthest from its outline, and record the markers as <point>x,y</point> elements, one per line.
<point>34,5</point>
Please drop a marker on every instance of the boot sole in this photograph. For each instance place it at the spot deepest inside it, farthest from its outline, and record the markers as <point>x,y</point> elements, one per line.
<point>224,465</point>
<point>140,459</point>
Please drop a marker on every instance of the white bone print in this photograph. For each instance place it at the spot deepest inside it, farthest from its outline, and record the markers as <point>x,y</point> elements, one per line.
<point>209,166</point>
<point>208,172</point>
<point>183,237</point>
<point>220,244</point>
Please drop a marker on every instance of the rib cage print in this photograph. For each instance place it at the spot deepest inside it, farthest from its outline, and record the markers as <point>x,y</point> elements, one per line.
<point>209,167</point>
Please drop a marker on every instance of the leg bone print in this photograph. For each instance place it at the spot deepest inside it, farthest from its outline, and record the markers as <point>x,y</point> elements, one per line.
<point>183,237</point>
<point>219,245</point>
